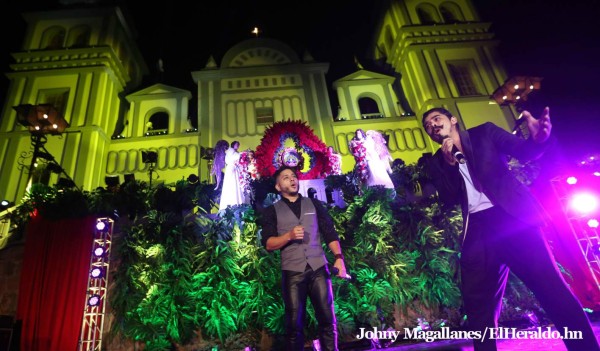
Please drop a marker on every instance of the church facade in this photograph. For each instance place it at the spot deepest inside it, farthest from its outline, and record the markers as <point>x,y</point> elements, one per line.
<point>86,64</point>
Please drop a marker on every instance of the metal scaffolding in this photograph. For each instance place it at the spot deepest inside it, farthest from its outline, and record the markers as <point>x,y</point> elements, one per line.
<point>92,325</point>
<point>587,237</point>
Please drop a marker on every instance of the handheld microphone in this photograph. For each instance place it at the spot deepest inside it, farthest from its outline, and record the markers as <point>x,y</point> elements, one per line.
<point>335,271</point>
<point>459,156</point>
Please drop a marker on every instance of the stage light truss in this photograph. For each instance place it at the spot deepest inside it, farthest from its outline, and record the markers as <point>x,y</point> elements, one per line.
<point>586,235</point>
<point>92,325</point>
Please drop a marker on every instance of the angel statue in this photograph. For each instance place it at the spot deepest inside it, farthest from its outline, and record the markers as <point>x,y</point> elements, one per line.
<point>232,193</point>
<point>219,161</point>
<point>372,158</point>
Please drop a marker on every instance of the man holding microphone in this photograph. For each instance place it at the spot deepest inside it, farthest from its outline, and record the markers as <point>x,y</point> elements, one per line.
<point>295,225</point>
<point>501,222</point>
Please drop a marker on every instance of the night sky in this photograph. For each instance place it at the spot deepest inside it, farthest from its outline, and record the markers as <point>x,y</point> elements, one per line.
<point>559,41</point>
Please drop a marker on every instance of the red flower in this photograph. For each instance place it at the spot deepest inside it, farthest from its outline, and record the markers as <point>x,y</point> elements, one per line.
<point>248,170</point>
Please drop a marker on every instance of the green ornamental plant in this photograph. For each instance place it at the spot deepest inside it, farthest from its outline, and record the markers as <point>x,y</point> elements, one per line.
<point>183,276</point>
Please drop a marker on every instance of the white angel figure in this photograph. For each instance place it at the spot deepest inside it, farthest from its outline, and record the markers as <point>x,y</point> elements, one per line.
<point>378,160</point>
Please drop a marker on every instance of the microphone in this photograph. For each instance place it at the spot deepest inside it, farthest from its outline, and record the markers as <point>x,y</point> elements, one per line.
<point>335,271</point>
<point>459,156</point>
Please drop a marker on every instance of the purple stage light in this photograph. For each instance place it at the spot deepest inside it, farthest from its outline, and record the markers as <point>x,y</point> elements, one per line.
<point>97,273</point>
<point>593,223</point>
<point>584,203</point>
<point>94,300</point>
<point>99,251</point>
<point>571,180</point>
<point>100,225</point>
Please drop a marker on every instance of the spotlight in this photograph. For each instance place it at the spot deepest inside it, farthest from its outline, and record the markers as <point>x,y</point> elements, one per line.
<point>149,156</point>
<point>192,179</point>
<point>130,177</point>
<point>101,225</point>
<point>99,251</point>
<point>111,180</point>
<point>97,273</point>
<point>593,223</point>
<point>584,203</point>
<point>5,204</point>
<point>94,300</point>
<point>571,180</point>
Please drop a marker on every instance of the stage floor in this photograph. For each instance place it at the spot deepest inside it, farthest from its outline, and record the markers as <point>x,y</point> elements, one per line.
<point>467,345</point>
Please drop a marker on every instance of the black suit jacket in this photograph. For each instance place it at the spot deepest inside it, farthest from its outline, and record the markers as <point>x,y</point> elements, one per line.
<point>486,148</point>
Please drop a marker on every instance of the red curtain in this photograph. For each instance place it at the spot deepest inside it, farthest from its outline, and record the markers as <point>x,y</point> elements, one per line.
<point>54,276</point>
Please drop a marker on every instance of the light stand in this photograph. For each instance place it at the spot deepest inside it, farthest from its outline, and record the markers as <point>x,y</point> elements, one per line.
<point>150,158</point>
<point>208,154</point>
<point>42,120</point>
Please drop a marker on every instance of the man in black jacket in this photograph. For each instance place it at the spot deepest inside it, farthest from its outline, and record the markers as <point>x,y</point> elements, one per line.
<point>295,225</point>
<point>502,223</point>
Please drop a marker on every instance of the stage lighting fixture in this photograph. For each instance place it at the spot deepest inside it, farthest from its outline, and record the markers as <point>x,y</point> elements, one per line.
<point>571,180</point>
<point>99,251</point>
<point>149,156</point>
<point>584,203</point>
<point>41,119</point>
<point>5,204</point>
<point>130,177</point>
<point>94,300</point>
<point>97,273</point>
<point>111,180</point>
<point>593,223</point>
<point>102,225</point>
<point>192,179</point>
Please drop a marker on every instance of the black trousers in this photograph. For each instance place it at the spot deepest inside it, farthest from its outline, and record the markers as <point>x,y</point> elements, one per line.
<point>496,242</point>
<point>297,286</point>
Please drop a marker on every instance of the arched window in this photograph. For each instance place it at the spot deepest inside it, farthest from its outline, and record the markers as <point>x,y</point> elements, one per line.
<point>158,123</point>
<point>79,37</point>
<point>368,108</point>
<point>427,14</point>
<point>53,38</point>
<point>451,12</point>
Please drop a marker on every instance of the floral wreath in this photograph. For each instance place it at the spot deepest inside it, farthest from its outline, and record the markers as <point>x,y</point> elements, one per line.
<point>310,148</point>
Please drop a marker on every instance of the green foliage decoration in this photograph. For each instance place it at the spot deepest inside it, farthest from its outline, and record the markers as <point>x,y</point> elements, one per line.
<point>179,272</point>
